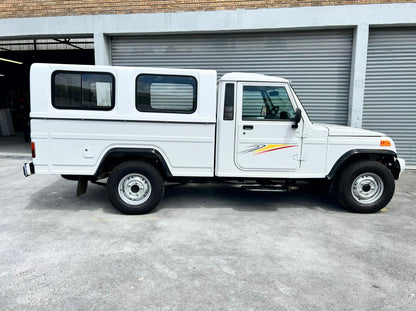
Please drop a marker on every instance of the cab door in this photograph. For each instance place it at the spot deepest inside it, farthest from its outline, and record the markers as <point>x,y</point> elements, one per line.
<point>265,140</point>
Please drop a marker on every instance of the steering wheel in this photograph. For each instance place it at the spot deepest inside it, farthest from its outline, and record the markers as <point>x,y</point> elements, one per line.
<point>274,111</point>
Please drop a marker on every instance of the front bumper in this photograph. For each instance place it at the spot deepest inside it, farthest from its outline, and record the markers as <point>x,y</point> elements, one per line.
<point>28,169</point>
<point>402,164</point>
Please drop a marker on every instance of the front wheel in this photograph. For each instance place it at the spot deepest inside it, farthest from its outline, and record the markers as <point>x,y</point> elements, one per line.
<point>135,187</point>
<point>365,187</point>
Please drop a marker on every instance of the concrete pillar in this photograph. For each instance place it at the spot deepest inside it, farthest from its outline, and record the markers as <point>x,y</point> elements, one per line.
<point>101,49</point>
<point>357,78</point>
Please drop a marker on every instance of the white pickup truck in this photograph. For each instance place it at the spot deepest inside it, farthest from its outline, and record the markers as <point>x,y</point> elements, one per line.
<point>137,128</point>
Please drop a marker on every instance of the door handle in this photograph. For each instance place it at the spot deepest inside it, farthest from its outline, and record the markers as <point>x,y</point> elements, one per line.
<point>247,127</point>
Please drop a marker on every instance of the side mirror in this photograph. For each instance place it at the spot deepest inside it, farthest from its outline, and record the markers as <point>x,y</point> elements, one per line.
<point>296,120</point>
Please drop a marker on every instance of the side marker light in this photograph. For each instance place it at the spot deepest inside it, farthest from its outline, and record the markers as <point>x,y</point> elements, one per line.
<point>385,143</point>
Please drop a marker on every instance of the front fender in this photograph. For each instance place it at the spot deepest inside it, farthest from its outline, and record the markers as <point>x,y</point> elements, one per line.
<point>387,157</point>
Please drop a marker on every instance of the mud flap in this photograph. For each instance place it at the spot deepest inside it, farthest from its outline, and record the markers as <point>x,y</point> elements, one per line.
<point>82,186</point>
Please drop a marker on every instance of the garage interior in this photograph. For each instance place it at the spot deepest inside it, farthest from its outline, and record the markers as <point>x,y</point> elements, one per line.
<point>16,57</point>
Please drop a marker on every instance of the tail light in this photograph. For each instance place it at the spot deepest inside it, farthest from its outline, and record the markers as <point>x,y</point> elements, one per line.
<point>33,150</point>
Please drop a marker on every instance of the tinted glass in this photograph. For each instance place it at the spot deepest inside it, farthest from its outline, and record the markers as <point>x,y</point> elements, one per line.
<point>266,103</point>
<point>67,90</point>
<point>161,93</point>
<point>171,96</point>
<point>229,102</point>
<point>78,90</point>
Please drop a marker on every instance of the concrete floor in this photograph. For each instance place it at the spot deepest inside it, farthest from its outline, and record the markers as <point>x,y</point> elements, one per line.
<point>207,247</point>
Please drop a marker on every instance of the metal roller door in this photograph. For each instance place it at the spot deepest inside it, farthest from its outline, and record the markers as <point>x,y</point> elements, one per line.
<point>390,88</point>
<point>318,62</point>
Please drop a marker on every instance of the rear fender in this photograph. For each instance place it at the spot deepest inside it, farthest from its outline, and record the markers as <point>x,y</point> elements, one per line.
<point>116,156</point>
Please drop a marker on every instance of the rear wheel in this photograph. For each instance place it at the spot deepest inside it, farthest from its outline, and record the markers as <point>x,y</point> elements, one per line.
<point>135,187</point>
<point>365,187</point>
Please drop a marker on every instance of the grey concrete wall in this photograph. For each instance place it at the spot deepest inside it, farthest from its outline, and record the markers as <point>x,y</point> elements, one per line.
<point>357,80</point>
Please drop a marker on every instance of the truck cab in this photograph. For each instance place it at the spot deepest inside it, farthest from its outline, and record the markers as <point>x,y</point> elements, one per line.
<point>136,128</point>
<point>260,127</point>
<point>264,131</point>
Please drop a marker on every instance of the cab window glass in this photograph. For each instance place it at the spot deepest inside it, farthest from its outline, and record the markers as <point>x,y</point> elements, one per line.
<point>266,103</point>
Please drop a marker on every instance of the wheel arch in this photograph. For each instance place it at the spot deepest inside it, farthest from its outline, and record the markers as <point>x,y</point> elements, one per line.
<point>386,157</point>
<point>116,156</point>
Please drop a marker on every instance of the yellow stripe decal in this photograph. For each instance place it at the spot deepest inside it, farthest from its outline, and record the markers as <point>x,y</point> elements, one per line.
<point>268,148</point>
<point>260,149</point>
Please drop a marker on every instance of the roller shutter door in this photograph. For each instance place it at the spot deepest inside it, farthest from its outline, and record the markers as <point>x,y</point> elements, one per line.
<point>318,62</point>
<point>390,88</point>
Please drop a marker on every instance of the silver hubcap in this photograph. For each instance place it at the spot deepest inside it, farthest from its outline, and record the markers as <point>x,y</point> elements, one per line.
<point>367,188</point>
<point>134,189</point>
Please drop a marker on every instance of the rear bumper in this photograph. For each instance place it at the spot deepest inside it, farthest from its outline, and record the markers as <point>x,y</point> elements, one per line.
<point>28,169</point>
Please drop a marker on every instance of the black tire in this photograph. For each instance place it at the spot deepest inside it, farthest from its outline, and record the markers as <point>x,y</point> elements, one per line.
<point>141,187</point>
<point>365,187</point>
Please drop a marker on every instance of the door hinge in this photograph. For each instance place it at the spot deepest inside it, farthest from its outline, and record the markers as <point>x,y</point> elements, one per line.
<point>299,135</point>
<point>299,158</point>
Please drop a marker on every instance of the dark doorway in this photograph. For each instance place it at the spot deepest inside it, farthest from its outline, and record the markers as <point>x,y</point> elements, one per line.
<point>15,65</point>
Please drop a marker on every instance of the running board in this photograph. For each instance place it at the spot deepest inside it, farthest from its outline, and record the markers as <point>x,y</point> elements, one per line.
<point>274,188</point>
